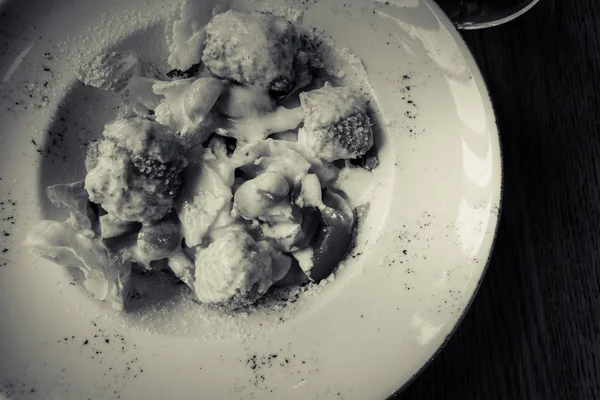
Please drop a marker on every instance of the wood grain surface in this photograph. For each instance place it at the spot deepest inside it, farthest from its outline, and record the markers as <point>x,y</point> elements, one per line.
<point>533,331</point>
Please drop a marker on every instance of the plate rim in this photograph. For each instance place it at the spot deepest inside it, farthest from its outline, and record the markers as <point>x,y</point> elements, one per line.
<point>484,91</point>
<point>436,9</point>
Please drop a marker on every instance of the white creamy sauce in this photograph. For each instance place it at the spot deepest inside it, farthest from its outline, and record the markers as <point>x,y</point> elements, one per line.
<point>226,259</point>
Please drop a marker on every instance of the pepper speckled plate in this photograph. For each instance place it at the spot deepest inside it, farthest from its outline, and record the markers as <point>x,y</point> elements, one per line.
<point>419,256</point>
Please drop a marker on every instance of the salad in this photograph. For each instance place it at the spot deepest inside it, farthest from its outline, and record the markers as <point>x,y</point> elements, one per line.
<point>230,171</point>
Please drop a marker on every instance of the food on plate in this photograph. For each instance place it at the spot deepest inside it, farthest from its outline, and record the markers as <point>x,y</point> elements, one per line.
<point>157,241</point>
<point>112,227</point>
<point>74,198</point>
<point>336,124</point>
<point>136,172</point>
<point>114,71</point>
<point>240,101</point>
<point>255,49</point>
<point>207,173</point>
<point>186,107</point>
<point>106,275</point>
<point>233,269</point>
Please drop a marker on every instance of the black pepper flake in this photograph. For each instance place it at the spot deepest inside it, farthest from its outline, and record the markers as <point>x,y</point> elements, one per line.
<point>404,252</point>
<point>85,342</point>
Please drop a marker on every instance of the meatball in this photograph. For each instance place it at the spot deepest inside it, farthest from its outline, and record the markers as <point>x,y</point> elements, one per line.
<point>255,49</point>
<point>336,124</point>
<point>136,172</point>
<point>234,269</point>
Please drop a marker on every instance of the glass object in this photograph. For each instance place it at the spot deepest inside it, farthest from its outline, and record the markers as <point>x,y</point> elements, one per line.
<point>477,14</point>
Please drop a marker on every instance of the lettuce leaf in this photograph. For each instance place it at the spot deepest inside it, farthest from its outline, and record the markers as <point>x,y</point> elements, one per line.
<point>74,198</point>
<point>107,273</point>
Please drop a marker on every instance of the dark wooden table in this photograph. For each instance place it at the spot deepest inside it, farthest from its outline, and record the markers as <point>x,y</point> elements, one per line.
<point>533,331</point>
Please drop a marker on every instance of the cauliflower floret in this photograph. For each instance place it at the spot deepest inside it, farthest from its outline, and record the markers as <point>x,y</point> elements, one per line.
<point>256,49</point>
<point>336,124</point>
<point>234,269</point>
<point>136,174</point>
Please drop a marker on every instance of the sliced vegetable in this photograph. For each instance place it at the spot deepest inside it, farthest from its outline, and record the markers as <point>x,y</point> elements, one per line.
<point>332,241</point>
<point>294,277</point>
<point>308,228</point>
<point>331,246</point>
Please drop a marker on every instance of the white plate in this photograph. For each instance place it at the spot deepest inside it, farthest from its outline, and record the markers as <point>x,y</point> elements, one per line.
<point>418,262</point>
